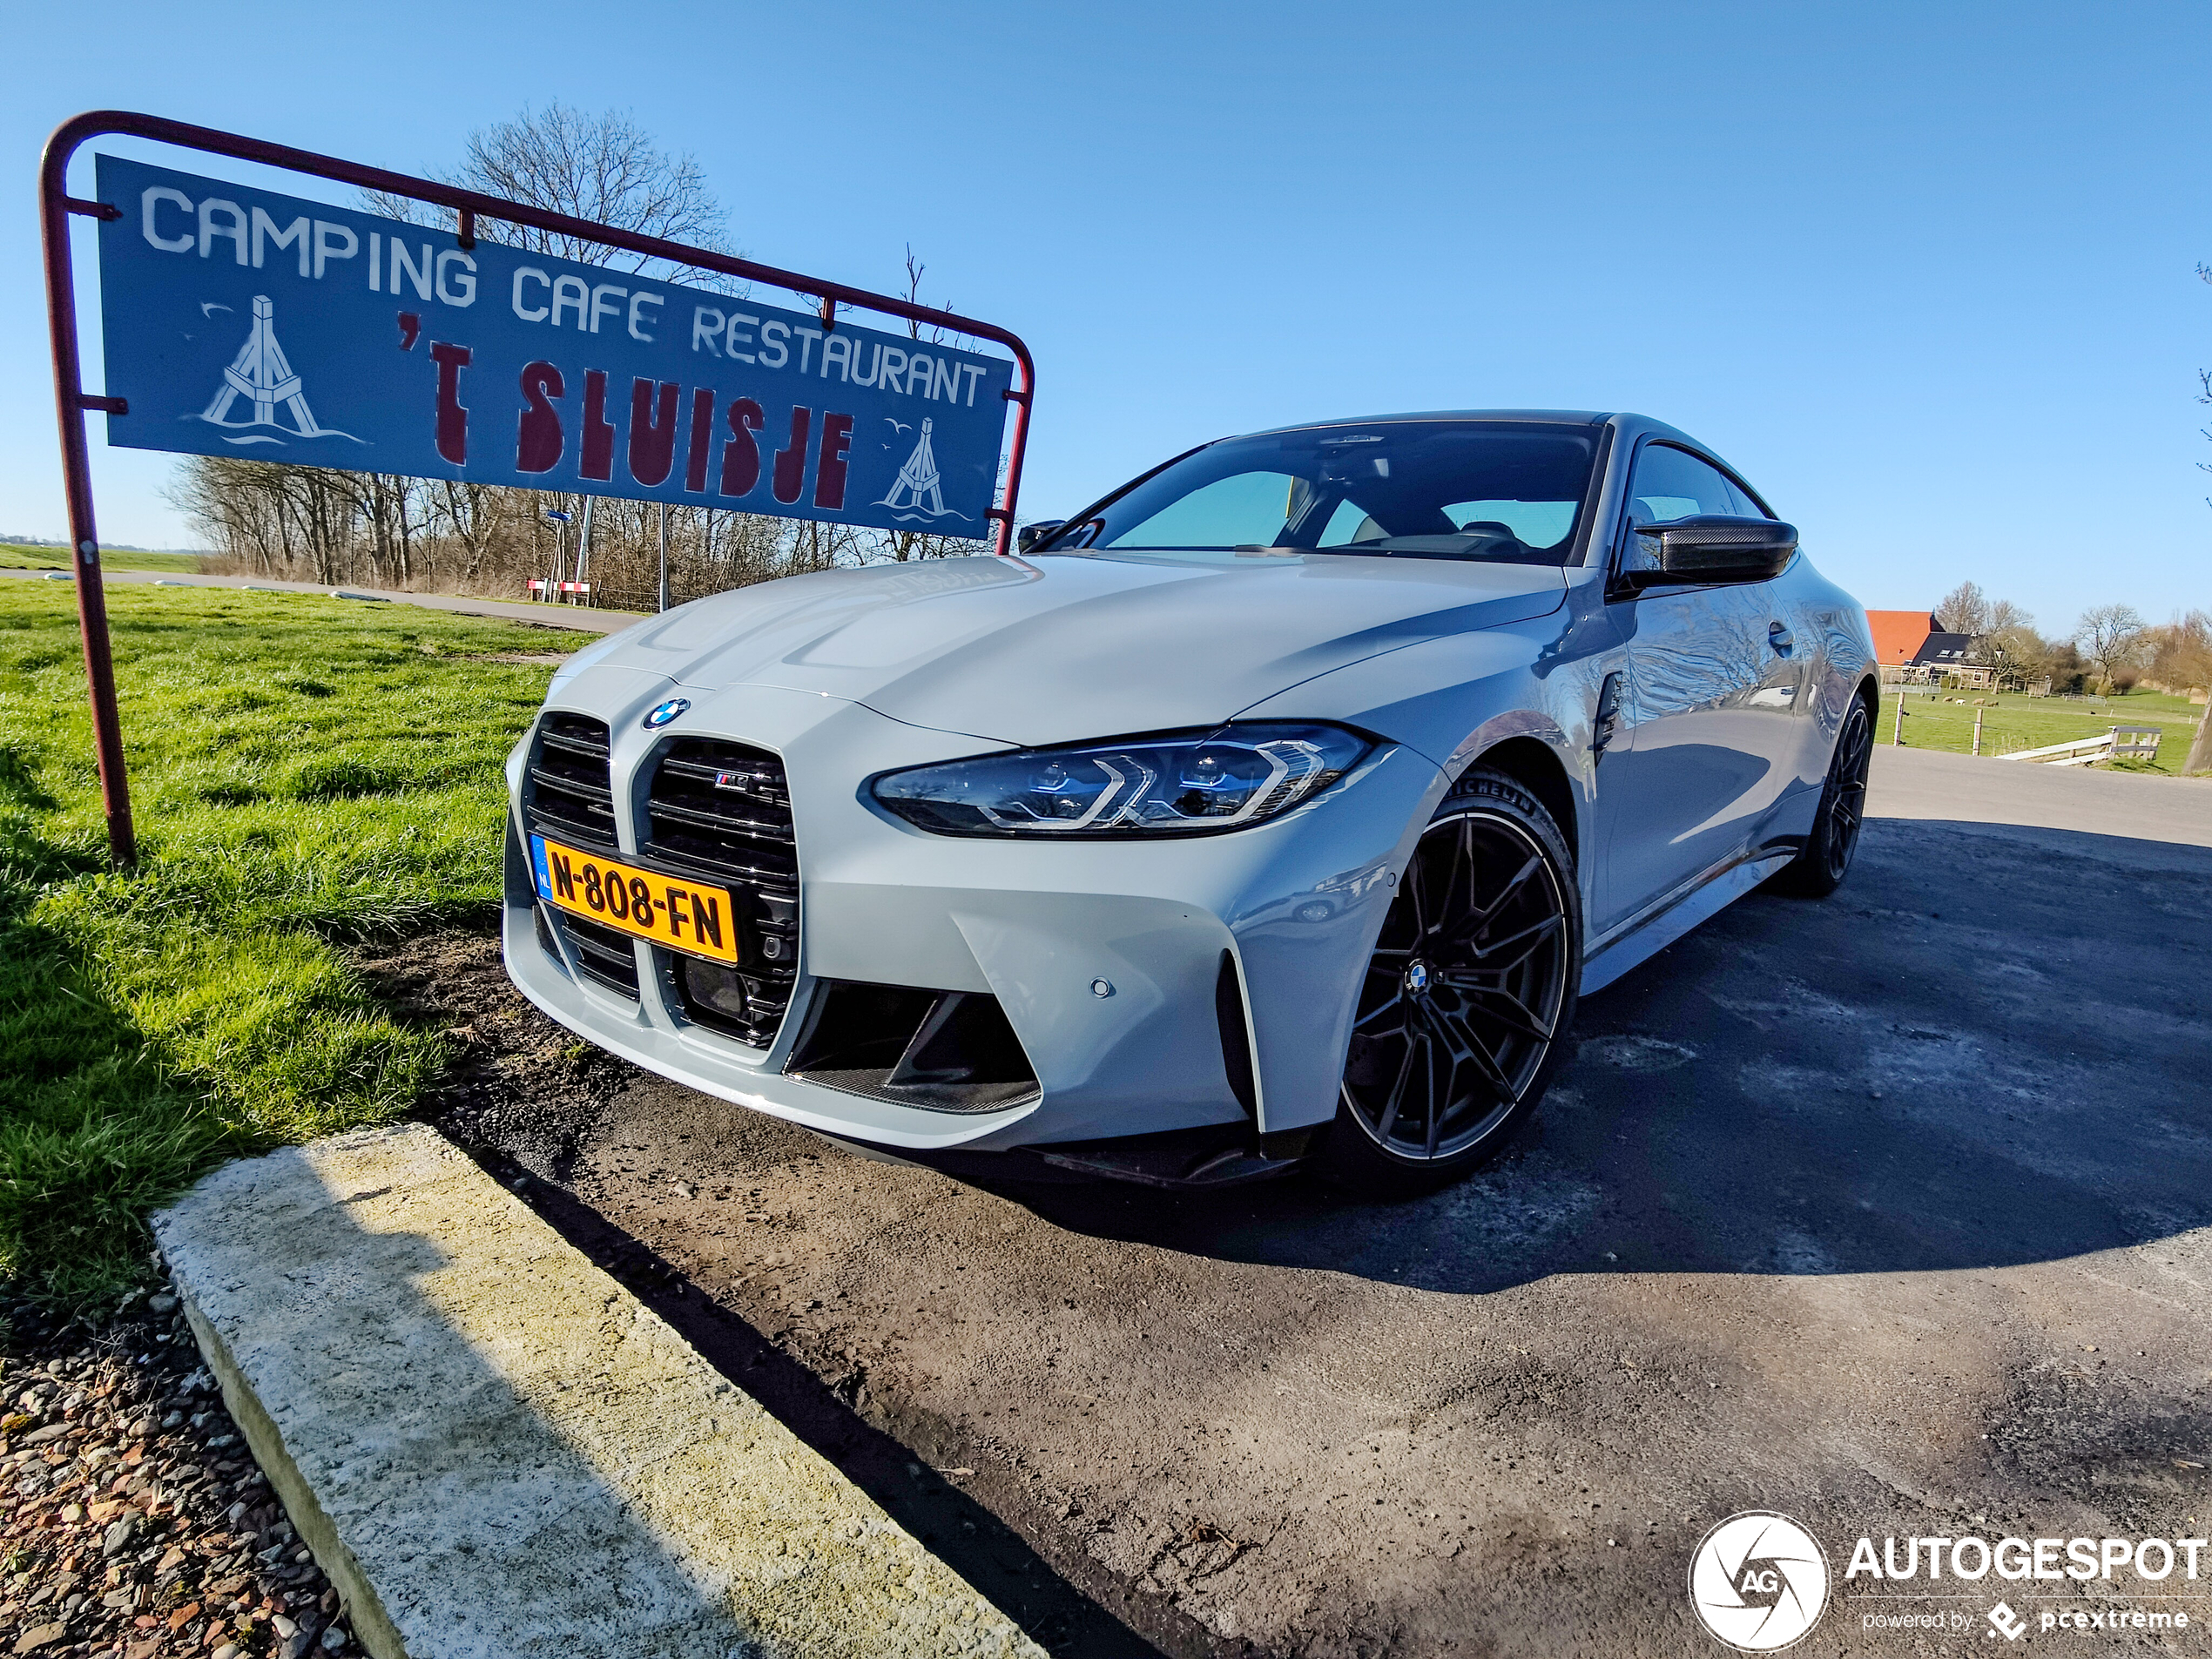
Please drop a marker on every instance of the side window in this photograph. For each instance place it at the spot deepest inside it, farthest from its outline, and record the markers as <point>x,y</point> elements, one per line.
<point>1673,483</point>
<point>1745,507</point>
<point>1670,483</point>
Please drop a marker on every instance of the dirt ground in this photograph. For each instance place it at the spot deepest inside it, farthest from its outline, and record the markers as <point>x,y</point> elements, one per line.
<point>1888,1213</point>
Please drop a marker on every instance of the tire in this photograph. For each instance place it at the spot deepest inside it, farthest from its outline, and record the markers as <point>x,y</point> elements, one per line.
<point>1824,860</point>
<point>1460,1028</point>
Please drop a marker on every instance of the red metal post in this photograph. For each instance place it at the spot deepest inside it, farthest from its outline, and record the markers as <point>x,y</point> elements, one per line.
<point>1019,397</point>
<point>55,206</point>
<point>54,209</point>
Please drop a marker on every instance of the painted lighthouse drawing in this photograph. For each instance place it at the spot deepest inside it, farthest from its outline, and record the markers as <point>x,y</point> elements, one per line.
<point>261,374</point>
<point>923,490</point>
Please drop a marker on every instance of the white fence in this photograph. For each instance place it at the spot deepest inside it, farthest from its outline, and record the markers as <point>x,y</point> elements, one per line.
<point>2122,741</point>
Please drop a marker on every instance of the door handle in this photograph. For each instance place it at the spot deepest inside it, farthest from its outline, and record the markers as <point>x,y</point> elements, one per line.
<point>1779,636</point>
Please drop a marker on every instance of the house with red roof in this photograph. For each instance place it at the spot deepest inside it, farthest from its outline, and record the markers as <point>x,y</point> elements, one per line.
<point>1898,635</point>
<point>1913,646</point>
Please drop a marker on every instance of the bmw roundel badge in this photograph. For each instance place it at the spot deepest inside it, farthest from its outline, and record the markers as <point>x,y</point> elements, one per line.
<point>667,711</point>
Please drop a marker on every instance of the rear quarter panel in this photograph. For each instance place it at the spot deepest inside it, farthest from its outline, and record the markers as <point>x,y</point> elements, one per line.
<point>1832,625</point>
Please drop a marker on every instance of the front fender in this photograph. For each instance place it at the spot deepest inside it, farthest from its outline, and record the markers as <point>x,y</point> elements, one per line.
<point>1453,698</point>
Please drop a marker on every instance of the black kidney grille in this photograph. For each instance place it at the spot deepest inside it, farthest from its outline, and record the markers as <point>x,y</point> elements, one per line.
<point>602,954</point>
<point>569,797</point>
<point>721,811</point>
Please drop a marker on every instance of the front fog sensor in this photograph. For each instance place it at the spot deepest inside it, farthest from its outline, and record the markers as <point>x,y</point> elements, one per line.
<point>710,985</point>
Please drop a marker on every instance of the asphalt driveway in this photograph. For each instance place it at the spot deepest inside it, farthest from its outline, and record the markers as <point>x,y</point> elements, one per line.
<point>1889,1212</point>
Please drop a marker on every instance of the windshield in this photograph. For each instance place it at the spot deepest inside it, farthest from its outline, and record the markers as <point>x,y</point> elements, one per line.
<point>1493,490</point>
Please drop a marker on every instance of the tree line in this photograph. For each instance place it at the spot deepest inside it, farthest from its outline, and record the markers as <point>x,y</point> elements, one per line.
<point>379,529</point>
<point>2110,648</point>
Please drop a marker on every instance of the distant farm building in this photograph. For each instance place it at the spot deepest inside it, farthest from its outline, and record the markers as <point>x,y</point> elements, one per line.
<point>1898,635</point>
<point>1913,649</point>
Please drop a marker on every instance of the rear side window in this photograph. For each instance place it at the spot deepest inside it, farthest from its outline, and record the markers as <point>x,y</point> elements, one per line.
<point>1670,483</point>
<point>1744,505</point>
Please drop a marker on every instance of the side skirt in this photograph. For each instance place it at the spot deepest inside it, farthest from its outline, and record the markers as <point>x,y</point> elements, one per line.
<point>1647,935</point>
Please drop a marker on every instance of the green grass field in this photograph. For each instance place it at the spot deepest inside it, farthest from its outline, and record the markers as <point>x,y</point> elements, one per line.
<point>306,772</point>
<point>2013,722</point>
<point>15,557</point>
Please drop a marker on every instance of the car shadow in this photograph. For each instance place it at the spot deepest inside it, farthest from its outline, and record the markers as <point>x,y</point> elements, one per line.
<point>1070,1621</point>
<point>1990,1048</point>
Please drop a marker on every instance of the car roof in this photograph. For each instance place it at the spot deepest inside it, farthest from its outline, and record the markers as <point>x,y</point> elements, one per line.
<point>1552,417</point>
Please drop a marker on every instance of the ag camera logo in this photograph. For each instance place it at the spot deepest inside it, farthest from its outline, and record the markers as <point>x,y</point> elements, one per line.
<point>1758,1582</point>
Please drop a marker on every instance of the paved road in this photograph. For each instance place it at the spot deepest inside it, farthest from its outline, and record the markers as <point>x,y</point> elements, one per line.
<point>590,622</point>
<point>1889,1212</point>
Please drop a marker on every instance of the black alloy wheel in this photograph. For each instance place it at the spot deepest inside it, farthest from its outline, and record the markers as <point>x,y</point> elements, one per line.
<point>1467,1000</point>
<point>1821,866</point>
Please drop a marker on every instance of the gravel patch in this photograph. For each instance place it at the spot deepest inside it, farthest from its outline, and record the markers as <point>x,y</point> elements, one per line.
<point>133,1520</point>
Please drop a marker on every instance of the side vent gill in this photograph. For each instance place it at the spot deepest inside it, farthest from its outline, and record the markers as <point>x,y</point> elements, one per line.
<point>1235,1040</point>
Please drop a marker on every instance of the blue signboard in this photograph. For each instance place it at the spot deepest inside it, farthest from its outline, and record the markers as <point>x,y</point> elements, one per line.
<point>237,322</point>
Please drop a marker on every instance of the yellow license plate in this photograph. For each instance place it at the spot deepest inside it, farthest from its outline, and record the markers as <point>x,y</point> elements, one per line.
<point>683,915</point>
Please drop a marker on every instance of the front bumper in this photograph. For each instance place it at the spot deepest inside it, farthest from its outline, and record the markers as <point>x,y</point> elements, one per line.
<point>1295,905</point>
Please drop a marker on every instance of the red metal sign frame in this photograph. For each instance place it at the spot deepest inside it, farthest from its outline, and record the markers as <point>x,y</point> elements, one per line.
<point>72,402</point>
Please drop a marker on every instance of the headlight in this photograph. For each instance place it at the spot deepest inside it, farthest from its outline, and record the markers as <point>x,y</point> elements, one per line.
<point>1177,782</point>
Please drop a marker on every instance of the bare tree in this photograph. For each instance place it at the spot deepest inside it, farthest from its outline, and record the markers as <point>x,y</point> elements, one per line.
<point>472,516</point>
<point>2200,756</point>
<point>2180,656</point>
<point>283,521</point>
<point>603,167</point>
<point>2020,655</point>
<point>2110,637</point>
<point>906,546</point>
<point>2005,615</point>
<point>1964,609</point>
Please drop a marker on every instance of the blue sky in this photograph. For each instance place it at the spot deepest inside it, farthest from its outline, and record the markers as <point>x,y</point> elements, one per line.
<point>1925,272</point>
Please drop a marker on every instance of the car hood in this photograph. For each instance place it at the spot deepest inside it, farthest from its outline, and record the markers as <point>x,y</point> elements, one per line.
<point>1058,649</point>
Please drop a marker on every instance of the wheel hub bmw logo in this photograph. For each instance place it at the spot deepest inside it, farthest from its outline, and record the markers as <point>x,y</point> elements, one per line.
<point>1417,979</point>
<point>667,711</point>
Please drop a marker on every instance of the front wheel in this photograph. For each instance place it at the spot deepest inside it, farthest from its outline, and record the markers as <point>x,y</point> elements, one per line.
<point>1824,860</point>
<point>1463,1013</point>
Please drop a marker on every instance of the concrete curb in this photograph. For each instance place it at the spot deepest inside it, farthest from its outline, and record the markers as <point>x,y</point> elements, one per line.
<point>494,1450</point>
